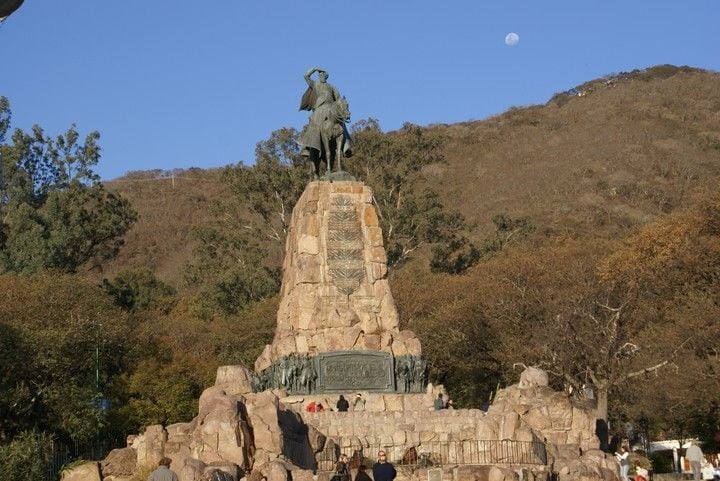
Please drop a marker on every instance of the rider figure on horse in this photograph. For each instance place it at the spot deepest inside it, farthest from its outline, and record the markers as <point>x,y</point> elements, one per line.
<point>319,98</point>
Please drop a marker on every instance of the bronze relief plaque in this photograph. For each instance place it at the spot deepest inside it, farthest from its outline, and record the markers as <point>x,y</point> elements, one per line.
<point>345,371</point>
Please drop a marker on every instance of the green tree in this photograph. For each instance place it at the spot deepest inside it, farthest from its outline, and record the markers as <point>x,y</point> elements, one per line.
<point>445,313</point>
<point>240,250</point>
<point>412,216</point>
<point>54,212</point>
<point>26,457</point>
<point>65,340</point>
<point>139,289</point>
<point>269,190</point>
<point>5,116</point>
<point>158,392</point>
<point>606,315</point>
<point>16,402</point>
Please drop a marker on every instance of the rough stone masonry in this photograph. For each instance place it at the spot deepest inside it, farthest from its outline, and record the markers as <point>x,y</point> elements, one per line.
<point>335,293</point>
<point>335,298</point>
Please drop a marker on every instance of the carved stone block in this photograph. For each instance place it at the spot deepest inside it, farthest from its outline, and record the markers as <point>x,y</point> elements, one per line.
<point>370,216</point>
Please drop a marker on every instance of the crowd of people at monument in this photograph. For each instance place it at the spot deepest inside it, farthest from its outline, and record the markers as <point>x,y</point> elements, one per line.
<point>358,404</point>
<point>342,405</point>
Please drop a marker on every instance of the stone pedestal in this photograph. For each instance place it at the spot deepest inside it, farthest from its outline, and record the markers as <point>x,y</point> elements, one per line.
<point>335,292</point>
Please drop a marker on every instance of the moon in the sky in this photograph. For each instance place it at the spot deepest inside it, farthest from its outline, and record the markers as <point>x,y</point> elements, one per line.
<point>512,39</point>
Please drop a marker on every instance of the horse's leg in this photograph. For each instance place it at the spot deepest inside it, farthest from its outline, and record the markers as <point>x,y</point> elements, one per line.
<point>315,159</point>
<point>338,151</point>
<point>328,154</point>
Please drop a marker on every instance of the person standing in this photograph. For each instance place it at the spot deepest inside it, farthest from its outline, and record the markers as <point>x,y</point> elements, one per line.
<point>696,457</point>
<point>342,470</point>
<point>359,403</point>
<point>439,402</point>
<point>622,456</point>
<point>383,470</point>
<point>342,405</point>
<point>163,472</point>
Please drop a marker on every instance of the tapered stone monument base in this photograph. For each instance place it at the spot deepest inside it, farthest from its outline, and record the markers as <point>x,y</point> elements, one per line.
<point>335,292</point>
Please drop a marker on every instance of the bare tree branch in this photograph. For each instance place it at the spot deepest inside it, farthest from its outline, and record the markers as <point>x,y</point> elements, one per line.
<point>647,370</point>
<point>660,364</point>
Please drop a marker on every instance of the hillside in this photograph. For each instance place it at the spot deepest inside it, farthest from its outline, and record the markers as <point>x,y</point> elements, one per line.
<point>610,155</point>
<point>605,157</point>
<point>170,205</point>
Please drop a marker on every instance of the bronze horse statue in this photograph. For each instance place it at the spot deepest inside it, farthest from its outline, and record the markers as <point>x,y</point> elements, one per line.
<point>334,137</point>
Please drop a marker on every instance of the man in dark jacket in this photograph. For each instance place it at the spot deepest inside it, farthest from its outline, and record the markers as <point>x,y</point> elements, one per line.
<point>342,404</point>
<point>382,470</point>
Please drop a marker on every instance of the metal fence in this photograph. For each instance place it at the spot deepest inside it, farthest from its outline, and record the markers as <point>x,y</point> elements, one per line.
<point>477,452</point>
<point>64,453</point>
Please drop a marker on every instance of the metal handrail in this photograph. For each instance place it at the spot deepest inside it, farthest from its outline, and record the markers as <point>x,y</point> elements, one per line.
<point>64,453</point>
<point>441,453</point>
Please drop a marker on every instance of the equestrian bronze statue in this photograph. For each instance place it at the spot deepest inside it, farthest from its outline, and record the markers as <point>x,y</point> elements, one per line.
<point>325,138</point>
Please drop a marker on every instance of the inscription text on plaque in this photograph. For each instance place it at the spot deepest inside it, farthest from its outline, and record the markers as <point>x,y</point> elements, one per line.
<point>345,371</point>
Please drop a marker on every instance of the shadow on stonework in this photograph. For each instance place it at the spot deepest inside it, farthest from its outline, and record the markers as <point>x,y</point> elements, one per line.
<point>296,447</point>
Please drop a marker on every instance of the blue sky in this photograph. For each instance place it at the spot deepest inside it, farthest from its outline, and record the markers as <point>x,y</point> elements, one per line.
<point>181,84</point>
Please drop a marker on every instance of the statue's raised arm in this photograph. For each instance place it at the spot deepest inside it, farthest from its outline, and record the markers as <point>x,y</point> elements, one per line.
<point>308,75</point>
<point>317,92</point>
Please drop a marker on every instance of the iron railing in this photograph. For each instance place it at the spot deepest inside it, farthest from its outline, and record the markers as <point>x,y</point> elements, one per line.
<point>440,453</point>
<point>64,453</point>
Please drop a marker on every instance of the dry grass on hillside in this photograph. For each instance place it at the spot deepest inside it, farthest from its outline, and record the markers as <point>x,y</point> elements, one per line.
<point>617,156</point>
<point>608,158</point>
<point>169,209</point>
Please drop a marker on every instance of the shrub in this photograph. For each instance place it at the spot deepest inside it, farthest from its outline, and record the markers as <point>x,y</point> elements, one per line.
<point>27,456</point>
<point>662,462</point>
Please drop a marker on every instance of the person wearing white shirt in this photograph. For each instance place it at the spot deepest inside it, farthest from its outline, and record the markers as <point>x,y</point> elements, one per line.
<point>695,455</point>
<point>622,457</point>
